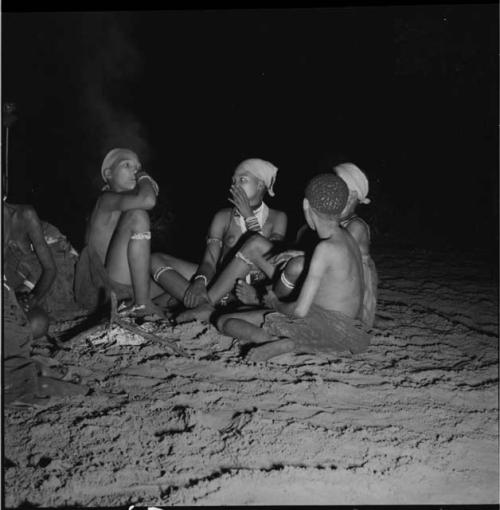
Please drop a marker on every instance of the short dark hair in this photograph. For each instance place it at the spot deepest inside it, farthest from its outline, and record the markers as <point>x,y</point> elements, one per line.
<point>327,194</point>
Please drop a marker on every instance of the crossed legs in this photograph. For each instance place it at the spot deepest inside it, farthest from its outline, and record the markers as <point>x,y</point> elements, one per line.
<point>247,327</point>
<point>283,287</point>
<point>172,275</point>
<point>253,252</point>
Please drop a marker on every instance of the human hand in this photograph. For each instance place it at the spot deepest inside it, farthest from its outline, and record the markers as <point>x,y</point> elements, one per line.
<point>195,294</point>
<point>240,200</point>
<point>284,257</point>
<point>141,174</point>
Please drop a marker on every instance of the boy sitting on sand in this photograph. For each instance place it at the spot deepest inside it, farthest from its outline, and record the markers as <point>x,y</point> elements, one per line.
<point>324,316</point>
<point>357,184</point>
<point>200,287</point>
<point>117,252</point>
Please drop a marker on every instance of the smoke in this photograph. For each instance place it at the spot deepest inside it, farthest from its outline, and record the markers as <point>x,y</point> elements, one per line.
<point>110,65</point>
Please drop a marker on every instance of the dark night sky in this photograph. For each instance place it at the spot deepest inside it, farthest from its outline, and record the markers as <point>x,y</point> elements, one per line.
<point>409,93</point>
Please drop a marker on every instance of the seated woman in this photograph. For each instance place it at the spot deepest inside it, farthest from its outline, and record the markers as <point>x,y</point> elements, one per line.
<point>325,314</point>
<point>199,285</point>
<point>306,239</point>
<point>118,238</point>
<point>24,244</point>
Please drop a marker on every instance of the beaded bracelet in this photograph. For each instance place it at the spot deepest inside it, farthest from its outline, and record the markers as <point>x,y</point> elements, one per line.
<point>252,223</point>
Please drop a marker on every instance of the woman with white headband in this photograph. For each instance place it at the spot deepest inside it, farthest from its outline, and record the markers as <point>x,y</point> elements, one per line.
<point>357,184</point>
<point>203,285</point>
<point>117,252</point>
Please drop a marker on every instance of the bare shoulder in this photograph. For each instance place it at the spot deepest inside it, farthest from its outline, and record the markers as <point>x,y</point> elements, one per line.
<point>329,248</point>
<point>359,229</point>
<point>222,215</point>
<point>28,214</point>
<point>334,249</point>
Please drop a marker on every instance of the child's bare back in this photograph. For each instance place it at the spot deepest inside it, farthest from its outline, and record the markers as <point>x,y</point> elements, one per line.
<point>324,315</point>
<point>341,286</point>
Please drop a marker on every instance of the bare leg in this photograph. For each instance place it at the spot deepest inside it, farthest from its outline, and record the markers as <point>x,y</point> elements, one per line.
<point>174,281</point>
<point>270,350</point>
<point>246,326</point>
<point>245,332</point>
<point>253,317</point>
<point>128,257</point>
<point>283,287</point>
<point>254,251</point>
<point>291,273</point>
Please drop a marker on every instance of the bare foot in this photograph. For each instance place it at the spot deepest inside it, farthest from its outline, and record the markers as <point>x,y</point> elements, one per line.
<point>154,309</point>
<point>200,313</point>
<point>270,350</point>
<point>166,301</point>
<point>144,310</point>
<point>246,293</point>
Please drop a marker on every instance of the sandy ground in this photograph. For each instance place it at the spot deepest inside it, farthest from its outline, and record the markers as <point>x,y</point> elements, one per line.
<point>412,420</point>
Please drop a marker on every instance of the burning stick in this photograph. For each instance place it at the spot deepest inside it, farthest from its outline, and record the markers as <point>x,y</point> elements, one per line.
<point>116,319</point>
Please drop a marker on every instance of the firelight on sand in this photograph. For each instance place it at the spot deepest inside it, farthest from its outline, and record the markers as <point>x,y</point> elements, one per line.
<point>412,420</point>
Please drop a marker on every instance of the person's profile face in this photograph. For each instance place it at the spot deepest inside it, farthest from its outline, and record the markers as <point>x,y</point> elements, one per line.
<point>123,174</point>
<point>248,182</point>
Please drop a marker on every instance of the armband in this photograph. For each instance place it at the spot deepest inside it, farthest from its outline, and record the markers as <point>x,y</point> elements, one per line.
<point>252,223</point>
<point>215,240</point>
<point>201,276</point>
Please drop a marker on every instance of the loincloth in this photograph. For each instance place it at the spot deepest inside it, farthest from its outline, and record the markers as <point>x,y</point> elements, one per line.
<point>93,284</point>
<point>320,331</point>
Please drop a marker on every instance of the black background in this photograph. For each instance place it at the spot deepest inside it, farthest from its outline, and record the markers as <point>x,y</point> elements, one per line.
<point>409,93</point>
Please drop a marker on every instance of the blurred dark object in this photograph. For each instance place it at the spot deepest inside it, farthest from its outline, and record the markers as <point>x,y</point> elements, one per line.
<point>8,117</point>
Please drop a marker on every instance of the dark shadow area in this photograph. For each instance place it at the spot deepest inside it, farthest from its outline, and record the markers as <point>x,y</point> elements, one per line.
<point>412,99</point>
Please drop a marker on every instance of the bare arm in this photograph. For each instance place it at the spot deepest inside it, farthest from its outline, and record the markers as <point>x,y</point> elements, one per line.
<point>213,251</point>
<point>143,196</point>
<point>359,231</point>
<point>319,263</point>
<point>301,232</point>
<point>279,227</point>
<point>196,293</point>
<point>42,250</point>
